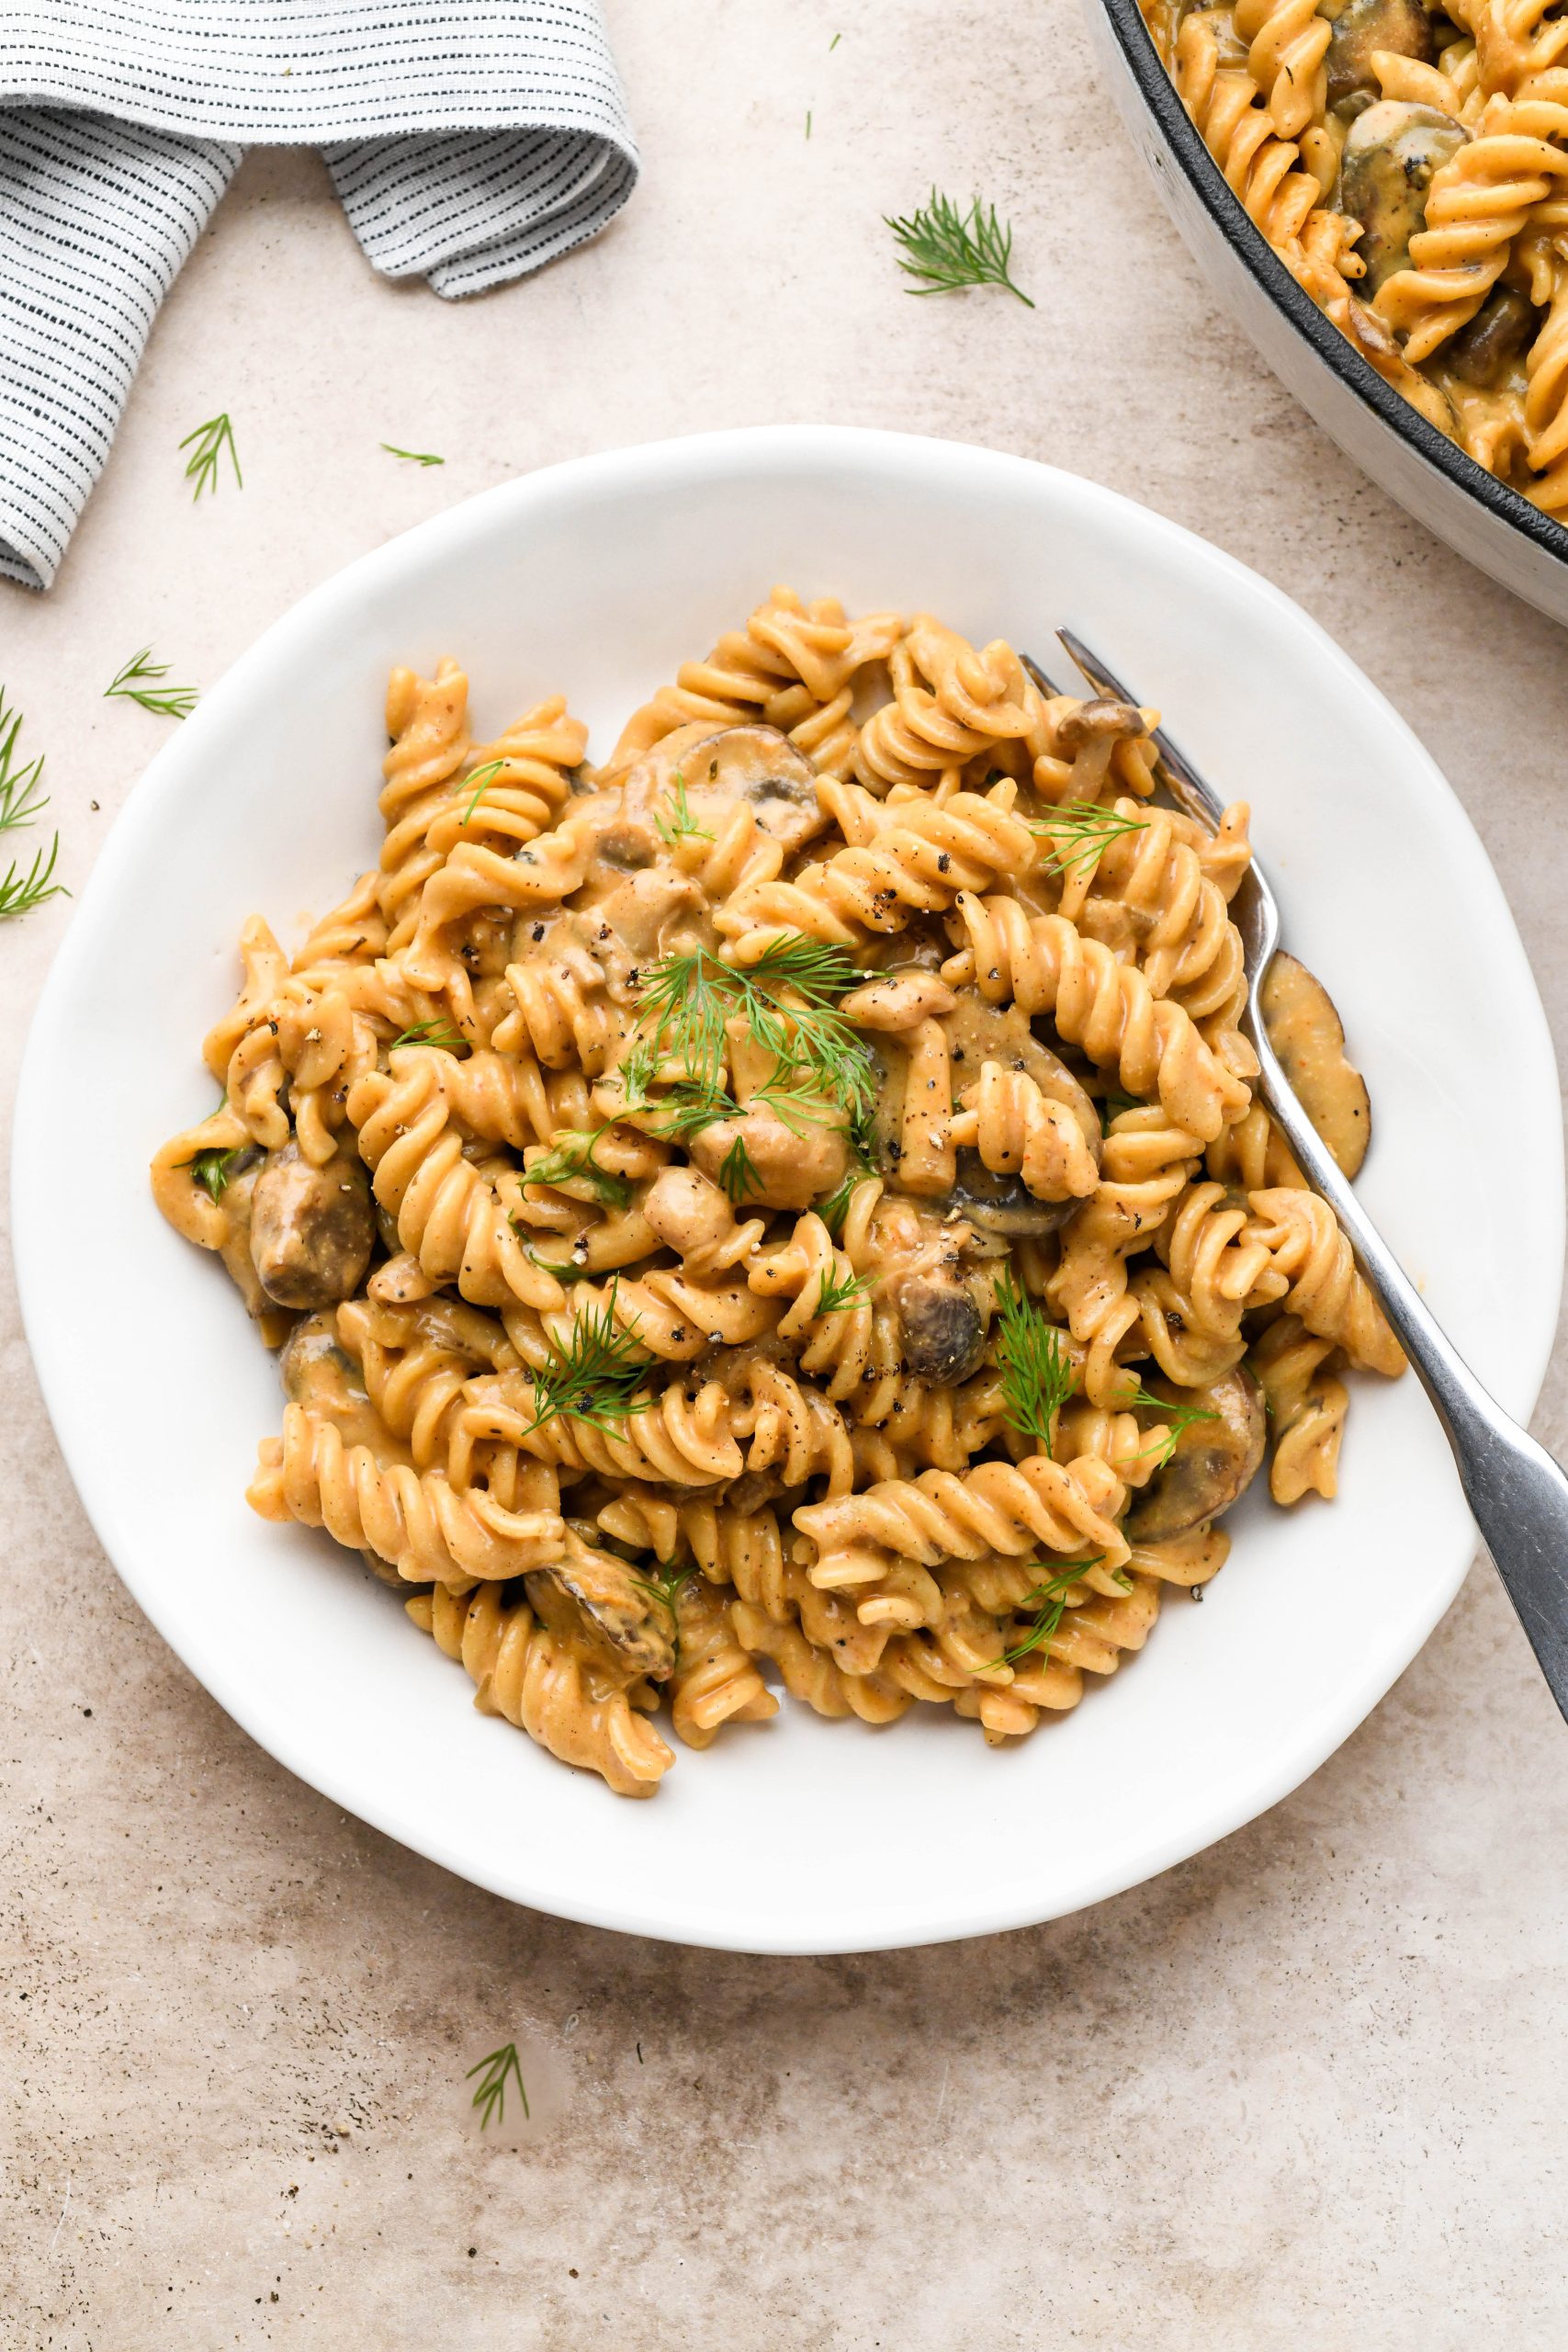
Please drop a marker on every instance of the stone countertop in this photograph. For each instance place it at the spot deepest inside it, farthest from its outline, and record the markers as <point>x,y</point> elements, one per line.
<point>1303,2090</point>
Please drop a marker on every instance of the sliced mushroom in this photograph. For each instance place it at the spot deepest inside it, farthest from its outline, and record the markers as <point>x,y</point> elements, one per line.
<point>1213,1461</point>
<point>629,847</point>
<point>1099,718</point>
<point>712,773</point>
<point>931,1272</point>
<point>1360,27</point>
<point>1481,353</point>
<point>311,1366</point>
<point>312,1229</point>
<point>977,1033</point>
<point>594,1597</point>
<point>1309,1037</point>
<point>1385,176</point>
<point>761,766</point>
<point>943,1329</point>
<point>238,1195</point>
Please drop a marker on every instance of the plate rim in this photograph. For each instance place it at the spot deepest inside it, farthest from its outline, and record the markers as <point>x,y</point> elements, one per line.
<point>681,1922</point>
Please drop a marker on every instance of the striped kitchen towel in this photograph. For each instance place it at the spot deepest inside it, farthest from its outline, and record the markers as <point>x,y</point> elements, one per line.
<point>471,140</point>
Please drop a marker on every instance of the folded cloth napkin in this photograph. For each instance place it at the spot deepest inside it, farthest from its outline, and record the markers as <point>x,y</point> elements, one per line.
<point>470,140</point>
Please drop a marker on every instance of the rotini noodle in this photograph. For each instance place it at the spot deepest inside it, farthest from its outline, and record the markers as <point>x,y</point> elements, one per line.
<point>789,1208</point>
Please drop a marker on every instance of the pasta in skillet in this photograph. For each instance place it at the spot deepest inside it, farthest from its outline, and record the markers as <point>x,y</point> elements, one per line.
<point>785,1205</point>
<point>1409,164</point>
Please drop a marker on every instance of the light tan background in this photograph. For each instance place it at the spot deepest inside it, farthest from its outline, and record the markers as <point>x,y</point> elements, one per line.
<point>1305,2091</point>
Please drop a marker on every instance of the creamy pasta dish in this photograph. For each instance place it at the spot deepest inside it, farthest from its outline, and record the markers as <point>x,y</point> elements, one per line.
<point>1409,164</point>
<point>786,1206</point>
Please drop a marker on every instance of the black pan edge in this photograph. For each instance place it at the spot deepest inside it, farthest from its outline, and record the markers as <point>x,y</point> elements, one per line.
<point>1253,249</point>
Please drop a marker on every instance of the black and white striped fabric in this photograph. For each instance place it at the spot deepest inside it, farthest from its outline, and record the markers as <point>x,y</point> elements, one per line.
<point>471,141</point>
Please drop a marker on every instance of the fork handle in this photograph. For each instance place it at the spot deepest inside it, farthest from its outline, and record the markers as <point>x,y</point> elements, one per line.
<point>1517,1494</point>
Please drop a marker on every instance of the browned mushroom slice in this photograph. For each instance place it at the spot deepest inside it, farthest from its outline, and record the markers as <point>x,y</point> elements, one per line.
<point>704,777</point>
<point>977,1033</point>
<point>943,1327</point>
<point>1212,1462</point>
<point>596,1600</point>
<point>235,1250</point>
<point>318,1372</point>
<point>1309,1037</point>
<point>934,1273</point>
<point>310,1228</point>
<point>1360,27</point>
<point>1099,718</point>
<point>1482,353</point>
<point>310,1363</point>
<point>1385,174</point>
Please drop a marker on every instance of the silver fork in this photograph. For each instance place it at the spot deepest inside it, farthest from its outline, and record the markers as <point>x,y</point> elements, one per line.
<point>1516,1492</point>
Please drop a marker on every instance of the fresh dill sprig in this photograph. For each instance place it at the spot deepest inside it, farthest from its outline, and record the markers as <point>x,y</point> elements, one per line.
<point>950,249</point>
<point>451,1040</point>
<point>666,1589</point>
<point>681,825</point>
<point>1182,1418</point>
<point>1032,1364</point>
<point>168,702</point>
<point>836,1295</point>
<point>479,777</point>
<point>836,1207</point>
<point>833,44</point>
<point>1080,830</point>
<point>502,2066</point>
<point>1050,1599</point>
<point>414,457</point>
<point>19,892</point>
<point>20,798</point>
<point>596,1377</point>
<point>211,1168</point>
<point>211,440</point>
<point>738,1173</point>
<point>689,998</point>
<point>684,1107</point>
<point>566,1274</point>
<point>21,803</point>
<point>572,1162</point>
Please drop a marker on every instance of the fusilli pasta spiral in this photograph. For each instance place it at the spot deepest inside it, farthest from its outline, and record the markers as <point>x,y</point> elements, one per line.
<point>721,1214</point>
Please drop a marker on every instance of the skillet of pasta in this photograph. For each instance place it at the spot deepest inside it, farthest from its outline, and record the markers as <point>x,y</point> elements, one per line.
<point>1409,164</point>
<point>786,1206</point>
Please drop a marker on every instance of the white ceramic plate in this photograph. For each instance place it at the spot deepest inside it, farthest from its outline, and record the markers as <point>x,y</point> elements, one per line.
<point>597,578</point>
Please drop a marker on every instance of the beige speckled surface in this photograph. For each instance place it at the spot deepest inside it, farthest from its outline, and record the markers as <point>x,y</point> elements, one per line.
<point>1305,2091</point>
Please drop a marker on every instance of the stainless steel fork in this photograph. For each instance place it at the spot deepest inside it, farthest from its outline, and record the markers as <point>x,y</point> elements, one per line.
<point>1518,1493</point>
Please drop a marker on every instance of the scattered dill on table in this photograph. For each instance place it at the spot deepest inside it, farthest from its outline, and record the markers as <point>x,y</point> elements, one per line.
<point>22,801</point>
<point>951,250</point>
<point>133,684</point>
<point>497,2070</point>
<point>207,446</point>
